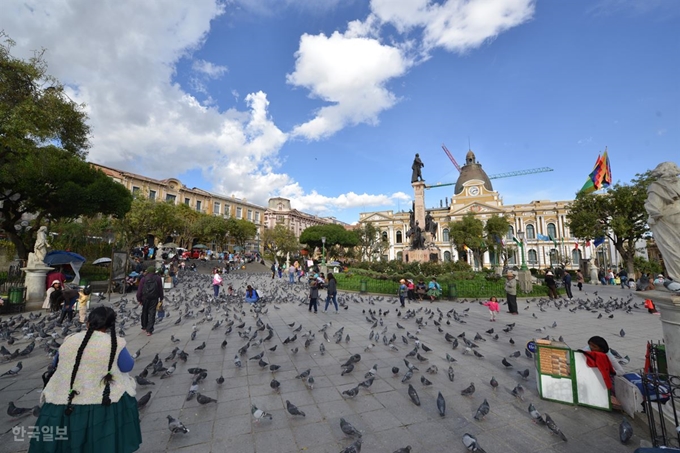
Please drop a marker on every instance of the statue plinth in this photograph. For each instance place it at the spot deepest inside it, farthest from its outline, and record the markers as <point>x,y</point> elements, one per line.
<point>524,280</point>
<point>668,304</point>
<point>422,256</point>
<point>36,275</point>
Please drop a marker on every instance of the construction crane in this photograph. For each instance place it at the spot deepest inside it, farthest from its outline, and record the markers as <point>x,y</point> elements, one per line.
<point>497,176</point>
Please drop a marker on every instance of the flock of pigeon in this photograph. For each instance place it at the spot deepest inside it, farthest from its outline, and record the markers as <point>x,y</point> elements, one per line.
<point>390,328</point>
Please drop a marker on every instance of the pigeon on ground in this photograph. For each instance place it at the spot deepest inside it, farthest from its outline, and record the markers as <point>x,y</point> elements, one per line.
<point>310,383</point>
<point>220,380</point>
<point>143,381</point>
<point>450,373</point>
<point>553,427</point>
<point>469,391</point>
<point>200,348</point>
<point>202,399</point>
<point>425,381</point>
<point>506,363</point>
<point>493,383</point>
<point>536,415</point>
<point>482,410</point>
<point>351,393</point>
<point>275,385</point>
<point>407,376</point>
<point>395,370</point>
<point>518,391</point>
<point>304,374</point>
<point>143,400</point>
<point>14,411</point>
<point>237,361</point>
<point>625,431</point>
<point>406,449</point>
<point>259,414</point>
<point>176,426</point>
<point>413,395</point>
<point>293,410</point>
<point>13,371</point>
<point>348,428</point>
<point>354,448</point>
<point>471,443</point>
<point>622,333</point>
<point>524,374</point>
<point>441,404</point>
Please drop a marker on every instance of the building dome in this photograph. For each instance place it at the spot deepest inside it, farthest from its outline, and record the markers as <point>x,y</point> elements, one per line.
<point>472,170</point>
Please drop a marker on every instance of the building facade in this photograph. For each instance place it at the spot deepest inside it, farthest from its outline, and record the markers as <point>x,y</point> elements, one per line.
<point>280,212</point>
<point>543,224</point>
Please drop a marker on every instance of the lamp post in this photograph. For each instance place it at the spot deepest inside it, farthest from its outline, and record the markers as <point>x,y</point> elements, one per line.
<point>323,250</point>
<point>520,233</point>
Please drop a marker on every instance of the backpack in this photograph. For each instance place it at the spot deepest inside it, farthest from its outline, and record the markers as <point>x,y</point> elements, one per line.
<point>150,288</point>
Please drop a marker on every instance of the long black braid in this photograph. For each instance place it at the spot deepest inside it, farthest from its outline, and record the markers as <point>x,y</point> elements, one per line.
<point>72,392</point>
<point>108,377</point>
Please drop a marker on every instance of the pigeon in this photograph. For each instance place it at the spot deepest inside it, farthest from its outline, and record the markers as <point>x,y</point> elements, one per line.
<point>407,376</point>
<point>471,443</point>
<point>395,370</point>
<point>515,354</point>
<point>506,363</point>
<point>202,399</point>
<point>169,371</point>
<point>220,380</point>
<point>351,393</point>
<point>293,410</point>
<point>224,344</point>
<point>529,354</point>
<point>625,431</point>
<point>143,381</point>
<point>143,400</point>
<point>274,368</point>
<point>482,410</point>
<point>622,333</point>
<point>262,363</point>
<point>536,415</point>
<point>524,374</point>
<point>518,391</point>
<point>304,374</point>
<point>355,447</point>
<point>367,383</point>
<point>425,381</point>
<point>441,404</point>
<point>259,414</point>
<point>275,385</point>
<point>469,391</point>
<point>348,428</point>
<point>553,427</point>
<point>493,382</point>
<point>406,449</point>
<point>176,426</point>
<point>413,395</point>
<point>310,383</point>
<point>14,370</point>
<point>14,411</point>
<point>237,361</point>
<point>450,373</point>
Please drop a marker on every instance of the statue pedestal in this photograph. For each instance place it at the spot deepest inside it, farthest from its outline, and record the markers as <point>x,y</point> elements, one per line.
<point>668,304</point>
<point>524,280</point>
<point>419,202</point>
<point>35,285</point>
<point>422,256</point>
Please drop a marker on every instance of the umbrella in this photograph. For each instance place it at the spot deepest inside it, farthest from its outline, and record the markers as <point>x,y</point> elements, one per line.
<point>58,257</point>
<point>170,245</point>
<point>199,246</point>
<point>103,260</point>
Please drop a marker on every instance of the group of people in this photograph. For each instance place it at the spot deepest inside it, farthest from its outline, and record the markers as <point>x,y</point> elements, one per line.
<point>417,292</point>
<point>319,281</point>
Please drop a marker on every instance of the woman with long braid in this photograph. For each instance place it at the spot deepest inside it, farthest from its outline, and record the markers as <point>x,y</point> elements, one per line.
<point>90,395</point>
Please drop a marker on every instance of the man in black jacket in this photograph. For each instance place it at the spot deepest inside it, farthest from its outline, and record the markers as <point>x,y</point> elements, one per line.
<point>149,294</point>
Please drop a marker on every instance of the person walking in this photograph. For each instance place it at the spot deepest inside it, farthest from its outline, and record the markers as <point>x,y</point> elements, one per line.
<point>403,292</point>
<point>331,292</point>
<point>493,307</point>
<point>511,293</point>
<point>291,274</point>
<point>566,279</point>
<point>579,279</point>
<point>83,302</point>
<point>623,276</point>
<point>149,294</point>
<point>313,294</point>
<point>216,282</point>
<point>90,396</point>
<point>552,286</point>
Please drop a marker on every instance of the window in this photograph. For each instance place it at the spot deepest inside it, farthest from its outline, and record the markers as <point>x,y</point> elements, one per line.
<point>512,256</point>
<point>532,257</point>
<point>152,194</point>
<point>576,257</point>
<point>493,257</point>
<point>447,256</point>
<point>135,190</point>
<point>279,219</point>
<point>511,232</point>
<point>384,236</point>
<point>227,210</point>
<point>257,217</point>
<point>250,215</point>
<point>531,233</point>
<point>216,208</point>
<point>554,258</point>
<point>198,205</point>
<point>552,231</point>
<point>445,235</point>
<point>187,201</point>
<point>400,256</point>
<point>239,213</point>
<point>171,198</point>
<point>399,239</point>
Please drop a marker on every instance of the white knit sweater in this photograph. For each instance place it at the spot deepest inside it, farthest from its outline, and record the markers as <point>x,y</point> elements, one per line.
<point>93,366</point>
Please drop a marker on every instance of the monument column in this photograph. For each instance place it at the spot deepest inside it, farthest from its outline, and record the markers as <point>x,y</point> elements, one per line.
<point>419,205</point>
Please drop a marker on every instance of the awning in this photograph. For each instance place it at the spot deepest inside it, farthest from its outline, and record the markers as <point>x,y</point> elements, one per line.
<point>59,257</point>
<point>103,260</point>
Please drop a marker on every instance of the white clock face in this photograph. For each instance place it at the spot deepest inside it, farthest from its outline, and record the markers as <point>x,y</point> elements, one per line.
<point>473,191</point>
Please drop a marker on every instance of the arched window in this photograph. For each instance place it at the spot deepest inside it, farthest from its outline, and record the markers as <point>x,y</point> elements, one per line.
<point>531,233</point>
<point>532,257</point>
<point>445,235</point>
<point>554,257</point>
<point>576,257</point>
<point>512,256</point>
<point>552,231</point>
<point>400,255</point>
<point>384,236</point>
<point>399,240</point>
<point>511,232</point>
<point>447,254</point>
<point>493,257</point>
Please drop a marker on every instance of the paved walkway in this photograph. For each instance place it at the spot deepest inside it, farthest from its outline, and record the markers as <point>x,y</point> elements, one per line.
<point>383,413</point>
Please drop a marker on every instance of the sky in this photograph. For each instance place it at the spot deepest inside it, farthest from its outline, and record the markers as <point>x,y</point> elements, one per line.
<point>326,102</point>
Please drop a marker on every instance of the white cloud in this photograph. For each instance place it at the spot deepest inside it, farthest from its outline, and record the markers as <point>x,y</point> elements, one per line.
<point>209,69</point>
<point>316,203</point>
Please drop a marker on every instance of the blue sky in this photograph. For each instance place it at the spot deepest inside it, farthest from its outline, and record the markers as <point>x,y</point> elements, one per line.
<point>327,102</point>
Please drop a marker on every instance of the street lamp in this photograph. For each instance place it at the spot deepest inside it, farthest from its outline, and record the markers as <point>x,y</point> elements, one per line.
<point>323,250</point>
<point>520,233</point>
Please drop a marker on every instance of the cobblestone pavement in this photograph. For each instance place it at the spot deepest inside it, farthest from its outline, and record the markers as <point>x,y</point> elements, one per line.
<point>383,413</point>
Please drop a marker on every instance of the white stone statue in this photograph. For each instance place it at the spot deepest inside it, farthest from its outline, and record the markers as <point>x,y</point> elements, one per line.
<point>37,258</point>
<point>663,207</point>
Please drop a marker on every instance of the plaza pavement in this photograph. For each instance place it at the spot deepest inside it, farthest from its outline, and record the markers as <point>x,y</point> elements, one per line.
<point>383,413</point>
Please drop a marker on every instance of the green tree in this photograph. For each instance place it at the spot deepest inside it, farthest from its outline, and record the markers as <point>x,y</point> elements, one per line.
<point>334,234</point>
<point>618,214</point>
<point>279,241</point>
<point>496,228</point>
<point>370,243</point>
<point>43,145</point>
<point>240,231</point>
<point>469,231</point>
<point>208,228</point>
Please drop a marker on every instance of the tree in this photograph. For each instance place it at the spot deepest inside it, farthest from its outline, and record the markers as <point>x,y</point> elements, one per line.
<point>279,241</point>
<point>241,231</point>
<point>469,232</point>
<point>43,144</point>
<point>334,234</point>
<point>496,228</point>
<point>618,214</point>
<point>208,228</point>
<point>370,242</point>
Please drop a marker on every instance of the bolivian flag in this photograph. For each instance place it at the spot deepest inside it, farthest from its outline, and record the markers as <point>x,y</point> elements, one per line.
<point>601,176</point>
